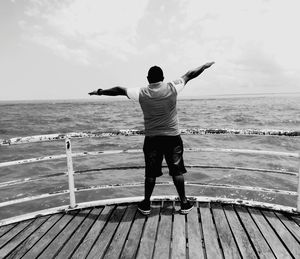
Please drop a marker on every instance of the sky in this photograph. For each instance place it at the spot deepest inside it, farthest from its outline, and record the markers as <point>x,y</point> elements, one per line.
<point>63,49</point>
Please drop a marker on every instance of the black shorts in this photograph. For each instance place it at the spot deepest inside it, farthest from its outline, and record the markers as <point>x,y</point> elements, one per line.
<point>157,147</point>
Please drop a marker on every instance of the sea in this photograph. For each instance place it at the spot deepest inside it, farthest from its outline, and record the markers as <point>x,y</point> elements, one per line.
<point>214,174</point>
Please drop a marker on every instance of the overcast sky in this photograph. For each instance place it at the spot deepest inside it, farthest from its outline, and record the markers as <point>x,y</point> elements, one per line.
<point>56,49</point>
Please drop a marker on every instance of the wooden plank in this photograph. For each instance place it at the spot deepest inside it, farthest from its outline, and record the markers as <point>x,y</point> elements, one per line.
<point>296,219</point>
<point>178,245</point>
<point>260,244</point>
<point>210,236</point>
<point>116,245</point>
<point>91,237</point>
<point>286,237</point>
<point>5,229</point>
<point>50,235</point>
<point>14,231</point>
<point>79,234</point>
<point>131,246</point>
<point>228,243</point>
<point>195,238</point>
<point>271,237</point>
<point>148,240</point>
<point>106,235</point>
<point>292,226</point>
<point>33,238</point>
<point>239,233</point>
<point>58,242</point>
<point>163,242</point>
<point>18,239</point>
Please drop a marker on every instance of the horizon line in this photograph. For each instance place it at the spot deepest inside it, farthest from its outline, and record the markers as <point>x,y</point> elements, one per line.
<point>180,97</point>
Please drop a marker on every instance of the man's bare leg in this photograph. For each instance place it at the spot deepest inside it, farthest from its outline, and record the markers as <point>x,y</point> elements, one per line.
<point>186,206</point>
<point>149,186</point>
<point>144,206</point>
<point>179,184</point>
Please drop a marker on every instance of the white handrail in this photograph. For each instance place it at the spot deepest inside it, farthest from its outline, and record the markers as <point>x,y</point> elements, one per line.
<point>141,184</point>
<point>42,177</point>
<point>114,152</point>
<point>135,199</point>
<point>69,154</point>
<point>70,173</point>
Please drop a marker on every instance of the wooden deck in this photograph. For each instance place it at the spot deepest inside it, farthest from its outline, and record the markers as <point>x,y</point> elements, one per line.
<point>210,230</point>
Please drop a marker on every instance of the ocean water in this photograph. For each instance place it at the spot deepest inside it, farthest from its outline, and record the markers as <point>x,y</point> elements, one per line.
<point>28,118</point>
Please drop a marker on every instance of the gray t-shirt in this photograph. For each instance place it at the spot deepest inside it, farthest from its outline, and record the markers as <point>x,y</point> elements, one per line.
<point>158,102</point>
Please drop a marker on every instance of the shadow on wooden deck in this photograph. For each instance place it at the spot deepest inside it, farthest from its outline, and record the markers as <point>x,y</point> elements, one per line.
<point>210,230</point>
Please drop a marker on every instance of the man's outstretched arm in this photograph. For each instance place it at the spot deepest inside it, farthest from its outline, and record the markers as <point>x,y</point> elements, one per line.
<point>114,91</point>
<point>191,74</point>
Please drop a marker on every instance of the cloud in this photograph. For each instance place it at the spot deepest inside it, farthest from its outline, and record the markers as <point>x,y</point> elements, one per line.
<point>87,28</point>
<point>251,41</point>
<point>266,23</point>
<point>254,42</point>
<point>36,34</point>
<point>60,49</point>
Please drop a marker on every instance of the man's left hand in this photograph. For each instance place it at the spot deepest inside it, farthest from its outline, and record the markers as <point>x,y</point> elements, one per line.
<point>209,64</point>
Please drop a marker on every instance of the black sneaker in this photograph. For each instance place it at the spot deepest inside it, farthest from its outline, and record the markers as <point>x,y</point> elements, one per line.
<point>144,207</point>
<point>186,208</point>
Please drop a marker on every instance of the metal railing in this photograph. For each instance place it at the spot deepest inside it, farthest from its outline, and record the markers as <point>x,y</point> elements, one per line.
<point>69,155</point>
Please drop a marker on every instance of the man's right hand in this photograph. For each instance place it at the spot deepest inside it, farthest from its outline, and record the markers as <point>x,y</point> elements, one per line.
<point>96,92</point>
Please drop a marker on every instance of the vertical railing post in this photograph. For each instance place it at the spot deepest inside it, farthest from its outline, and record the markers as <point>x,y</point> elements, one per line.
<point>70,173</point>
<point>298,197</point>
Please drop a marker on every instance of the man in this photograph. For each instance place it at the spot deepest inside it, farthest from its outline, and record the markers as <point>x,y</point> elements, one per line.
<point>162,134</point>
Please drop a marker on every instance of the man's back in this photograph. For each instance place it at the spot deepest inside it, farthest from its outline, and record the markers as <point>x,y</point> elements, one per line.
<point>158,102</point>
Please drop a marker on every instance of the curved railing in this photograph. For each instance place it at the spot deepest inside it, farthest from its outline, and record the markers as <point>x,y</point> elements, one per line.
<point>70,172</point>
